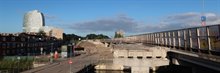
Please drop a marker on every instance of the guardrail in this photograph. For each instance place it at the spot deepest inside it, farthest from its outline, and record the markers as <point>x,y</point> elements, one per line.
<point>205,39</point>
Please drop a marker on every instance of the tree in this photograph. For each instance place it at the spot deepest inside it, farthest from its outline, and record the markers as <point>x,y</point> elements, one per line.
<point>101,36</point>
<point>91,36</point>
<point>94,36</point>
<point>118,36</point>
<point>41,33</point>
<point>71,37</point>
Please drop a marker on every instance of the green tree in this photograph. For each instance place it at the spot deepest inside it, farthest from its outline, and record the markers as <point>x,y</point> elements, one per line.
<point>101,36</point>
<point>118,36</point>
<point>41,33</point>
<point>91,36</point>
<point>94,36</point>
<point>71,37</point>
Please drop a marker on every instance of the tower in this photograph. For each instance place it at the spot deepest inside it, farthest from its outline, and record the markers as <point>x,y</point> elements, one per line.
<point>33,21</point>
<point>119,34</point>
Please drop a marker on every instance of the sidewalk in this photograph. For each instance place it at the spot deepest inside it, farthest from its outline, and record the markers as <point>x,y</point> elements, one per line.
<point>48,65</point>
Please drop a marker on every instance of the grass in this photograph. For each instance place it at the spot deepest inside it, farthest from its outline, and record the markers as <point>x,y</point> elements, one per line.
<point>16,64</point>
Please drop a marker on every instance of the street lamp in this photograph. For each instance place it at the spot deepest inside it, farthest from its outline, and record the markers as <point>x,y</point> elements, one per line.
<point>51,53</point>
<point>70,62</point>
<point>18,58</point>
<point>70,54</point>
<point>69,46</point>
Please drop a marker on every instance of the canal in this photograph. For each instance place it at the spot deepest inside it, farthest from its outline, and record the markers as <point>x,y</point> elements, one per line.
<point>162,69</point>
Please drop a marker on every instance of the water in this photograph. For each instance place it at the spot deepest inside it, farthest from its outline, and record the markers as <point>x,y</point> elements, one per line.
<point>111,72</point>
<point>162,69</point>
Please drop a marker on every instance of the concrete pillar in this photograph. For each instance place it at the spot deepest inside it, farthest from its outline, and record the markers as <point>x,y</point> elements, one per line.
<point>175,61</point>
<point>136,69</point>
<point>153,69</point>
<point>106,44</point>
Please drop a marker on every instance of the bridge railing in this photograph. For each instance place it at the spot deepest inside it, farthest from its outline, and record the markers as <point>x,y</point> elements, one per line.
<point>205,39</point>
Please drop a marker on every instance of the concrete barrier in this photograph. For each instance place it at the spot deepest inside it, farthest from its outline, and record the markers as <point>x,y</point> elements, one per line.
<point>139,59</point>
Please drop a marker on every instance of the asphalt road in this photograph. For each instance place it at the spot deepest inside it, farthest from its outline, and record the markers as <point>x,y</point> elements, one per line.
<point>78,62</point>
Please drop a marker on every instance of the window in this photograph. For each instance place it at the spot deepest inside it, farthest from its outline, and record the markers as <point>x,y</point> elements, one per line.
<point>12,38</point>
<point>22,39</point>
<point>3,38</point>
<point>4,45</point>
<point>0,45</point>
<point>21,44</point>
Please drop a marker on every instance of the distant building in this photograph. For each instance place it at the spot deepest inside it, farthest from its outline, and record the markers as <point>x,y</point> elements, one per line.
<point>24,44</point>
<point>46,29</point>
<point>57,33</point>
<point>53,32</point>
<point>33,21</point>
<point>119,34</point>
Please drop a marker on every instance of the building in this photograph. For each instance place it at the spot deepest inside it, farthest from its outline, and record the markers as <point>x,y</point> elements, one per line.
<point>119,34</point>
<point>27,44</point>
<point>33,21</point>
<point>53,32</point>
<point>57,33</point>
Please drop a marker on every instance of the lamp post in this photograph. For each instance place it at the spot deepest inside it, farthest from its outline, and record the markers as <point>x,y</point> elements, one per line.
<point>69,46</point>
<point>18,58</point>
<point>41,48</point>
<point>51,53</point>
<point>70,62</point>
<point>70,54</point>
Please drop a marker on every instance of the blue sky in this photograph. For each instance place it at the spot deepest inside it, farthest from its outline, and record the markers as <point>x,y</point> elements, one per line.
<point>106,16</point>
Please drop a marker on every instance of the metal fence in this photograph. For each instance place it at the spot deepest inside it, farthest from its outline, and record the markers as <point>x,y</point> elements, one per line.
<point>205,39</point>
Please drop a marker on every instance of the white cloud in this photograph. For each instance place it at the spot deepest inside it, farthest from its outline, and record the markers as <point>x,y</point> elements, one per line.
<point>47,16</point>
<point>107,24</point>
<point>129,25</point>
<point>185,20</point>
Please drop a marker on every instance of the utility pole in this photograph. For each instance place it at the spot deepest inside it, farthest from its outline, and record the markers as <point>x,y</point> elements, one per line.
<point>203,17</point>
<point>51,53</point>
<point>70,61</point>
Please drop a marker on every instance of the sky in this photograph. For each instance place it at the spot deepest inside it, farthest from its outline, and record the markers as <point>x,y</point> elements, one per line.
<point>83,17</point>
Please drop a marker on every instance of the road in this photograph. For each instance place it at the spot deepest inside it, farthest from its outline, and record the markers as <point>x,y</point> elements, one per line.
<point>79,62</point>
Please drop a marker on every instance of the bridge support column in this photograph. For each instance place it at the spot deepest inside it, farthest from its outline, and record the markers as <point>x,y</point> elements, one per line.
<point>153,69</point>
<point>136,69</point>
<point>175,61</point>
<point>106,44</point>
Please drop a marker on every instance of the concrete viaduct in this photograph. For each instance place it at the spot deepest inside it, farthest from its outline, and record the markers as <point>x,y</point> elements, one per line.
<point>197,47</point>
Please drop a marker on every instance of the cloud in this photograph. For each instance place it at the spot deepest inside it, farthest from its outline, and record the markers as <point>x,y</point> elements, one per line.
<point>47,16</point>
<point>107,24</point>
<point>129,25</point>
<point>183,20</point>
<point>52,20</point>
<point>192,18</point>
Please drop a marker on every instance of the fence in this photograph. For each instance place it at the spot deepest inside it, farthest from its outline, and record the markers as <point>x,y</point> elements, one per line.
<point>205,39</point>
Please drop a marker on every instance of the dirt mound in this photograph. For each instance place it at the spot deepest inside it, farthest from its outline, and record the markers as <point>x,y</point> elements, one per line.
<point>92,48</point>
<point>86,44</point>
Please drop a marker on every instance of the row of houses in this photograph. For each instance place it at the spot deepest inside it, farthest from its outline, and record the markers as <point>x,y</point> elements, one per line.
<point>27,44</point>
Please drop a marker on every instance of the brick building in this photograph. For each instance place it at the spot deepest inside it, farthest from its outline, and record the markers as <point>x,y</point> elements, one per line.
<point>27,44</point>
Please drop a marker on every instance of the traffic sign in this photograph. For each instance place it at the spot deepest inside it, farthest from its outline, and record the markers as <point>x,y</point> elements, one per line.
<point>203,18</point>
<point>70,62</point>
